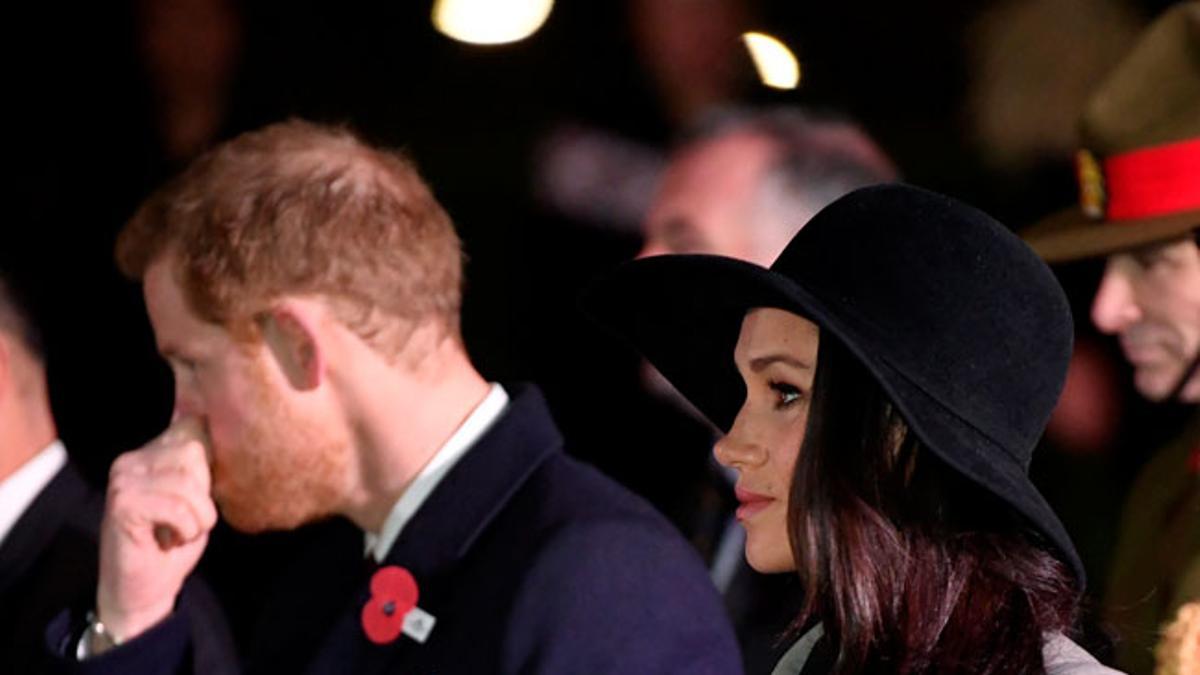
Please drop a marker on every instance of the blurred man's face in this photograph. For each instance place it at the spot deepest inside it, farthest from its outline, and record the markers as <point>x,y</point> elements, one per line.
<point>10,459</point>
<point>280,457</point>
<point>26,425</point>
<point>706,203</point>
<point>1150,299</point>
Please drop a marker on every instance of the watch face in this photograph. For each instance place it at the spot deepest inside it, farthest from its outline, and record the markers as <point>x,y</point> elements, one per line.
<point>95,639</point>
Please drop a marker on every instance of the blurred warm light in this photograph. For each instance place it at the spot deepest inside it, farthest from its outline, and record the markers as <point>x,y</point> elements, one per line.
<point>490,22</point>
<point>777,66</point>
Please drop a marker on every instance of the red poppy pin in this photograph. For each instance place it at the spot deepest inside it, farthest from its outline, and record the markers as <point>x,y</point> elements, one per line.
<point>392,608</point>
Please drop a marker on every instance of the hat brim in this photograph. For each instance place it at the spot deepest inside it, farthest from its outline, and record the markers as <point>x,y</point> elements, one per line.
<point>1070,235</point>
<point>684,314</point>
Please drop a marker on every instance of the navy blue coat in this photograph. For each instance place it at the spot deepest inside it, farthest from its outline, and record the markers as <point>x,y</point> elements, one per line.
<point>530,562</point>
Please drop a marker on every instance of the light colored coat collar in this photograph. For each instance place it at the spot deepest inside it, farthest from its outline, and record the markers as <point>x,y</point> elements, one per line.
<point>1061,655</point>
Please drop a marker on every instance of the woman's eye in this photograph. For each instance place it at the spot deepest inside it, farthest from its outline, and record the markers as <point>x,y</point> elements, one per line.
<point>786,394</point>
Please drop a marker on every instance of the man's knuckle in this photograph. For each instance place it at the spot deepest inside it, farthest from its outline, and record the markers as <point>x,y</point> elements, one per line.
<point>123,463</point>
<point>120,501</point>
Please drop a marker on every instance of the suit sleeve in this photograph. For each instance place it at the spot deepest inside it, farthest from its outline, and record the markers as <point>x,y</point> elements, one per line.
<point>618,596</point>
<point>194,639</point>
<point>162,650</point>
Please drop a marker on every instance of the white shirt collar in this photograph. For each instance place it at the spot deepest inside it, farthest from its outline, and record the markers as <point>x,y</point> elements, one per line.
<point>21,487</point>
<point>476,424</point>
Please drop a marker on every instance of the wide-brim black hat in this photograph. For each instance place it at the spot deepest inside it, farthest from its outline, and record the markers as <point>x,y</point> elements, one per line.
<point>960,322</point>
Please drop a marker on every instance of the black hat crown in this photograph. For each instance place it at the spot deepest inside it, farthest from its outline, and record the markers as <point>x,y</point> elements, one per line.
<point>949,299</point>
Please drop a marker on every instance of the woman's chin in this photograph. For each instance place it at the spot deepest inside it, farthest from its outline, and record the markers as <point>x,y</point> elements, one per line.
<point>769,561</point>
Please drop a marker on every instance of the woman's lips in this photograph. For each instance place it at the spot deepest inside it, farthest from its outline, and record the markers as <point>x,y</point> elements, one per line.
<point>751,503</point>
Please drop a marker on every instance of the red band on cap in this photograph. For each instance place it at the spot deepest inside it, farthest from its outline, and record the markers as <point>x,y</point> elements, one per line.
<point>1154,181</point>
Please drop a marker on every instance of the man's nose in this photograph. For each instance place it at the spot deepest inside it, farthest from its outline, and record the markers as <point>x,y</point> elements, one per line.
<point>1114,307</point>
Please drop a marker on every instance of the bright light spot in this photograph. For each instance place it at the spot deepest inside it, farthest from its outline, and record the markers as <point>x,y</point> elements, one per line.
<point>777,66</point>
<point>490,22</point>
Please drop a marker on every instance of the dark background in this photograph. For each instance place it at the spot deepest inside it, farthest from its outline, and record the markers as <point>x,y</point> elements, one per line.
<point>86,144</point>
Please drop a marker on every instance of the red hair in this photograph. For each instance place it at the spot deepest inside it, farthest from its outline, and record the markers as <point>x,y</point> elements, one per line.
<point>298,208</point>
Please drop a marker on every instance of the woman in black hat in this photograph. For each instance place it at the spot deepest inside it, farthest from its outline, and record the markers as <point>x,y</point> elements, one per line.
<point>882,387</point>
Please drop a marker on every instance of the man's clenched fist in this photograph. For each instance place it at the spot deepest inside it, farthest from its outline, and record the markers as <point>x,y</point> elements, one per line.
<point>156,522</point>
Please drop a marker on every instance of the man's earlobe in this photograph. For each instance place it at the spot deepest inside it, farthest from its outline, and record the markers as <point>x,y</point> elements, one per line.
<point>291,339</point>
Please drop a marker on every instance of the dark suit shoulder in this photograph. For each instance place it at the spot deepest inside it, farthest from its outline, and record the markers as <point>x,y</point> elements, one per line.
<point>606,584</point>
<point>47,564</point>
<point>570,490</point>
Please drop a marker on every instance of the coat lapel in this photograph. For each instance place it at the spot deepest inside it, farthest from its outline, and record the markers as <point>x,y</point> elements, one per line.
<point>443,530</point>
<point>478,487</point>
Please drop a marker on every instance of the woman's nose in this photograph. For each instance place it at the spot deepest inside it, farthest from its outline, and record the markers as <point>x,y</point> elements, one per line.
<point>738,449</point>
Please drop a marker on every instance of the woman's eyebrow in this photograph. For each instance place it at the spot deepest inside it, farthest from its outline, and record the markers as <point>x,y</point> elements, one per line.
<point>758,363</point>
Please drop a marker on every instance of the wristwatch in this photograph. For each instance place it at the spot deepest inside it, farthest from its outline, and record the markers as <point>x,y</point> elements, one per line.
<point>96,638</point>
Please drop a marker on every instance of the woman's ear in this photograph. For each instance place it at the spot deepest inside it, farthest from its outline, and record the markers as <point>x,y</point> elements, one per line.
<point>289,330</point>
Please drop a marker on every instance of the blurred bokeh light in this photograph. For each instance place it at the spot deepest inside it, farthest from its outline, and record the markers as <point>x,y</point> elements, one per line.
<point>490,22</point>
<point>777,66</point>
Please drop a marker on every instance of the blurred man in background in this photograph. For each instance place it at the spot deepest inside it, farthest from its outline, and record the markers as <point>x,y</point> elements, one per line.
<point>741,186</point>
<point>745,181</point>
<point>50,517</point>
<point>1139,180</point>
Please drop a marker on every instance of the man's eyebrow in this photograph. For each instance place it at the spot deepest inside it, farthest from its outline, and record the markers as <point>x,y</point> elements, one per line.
<point>1156,247</point>
<point>759,363</point>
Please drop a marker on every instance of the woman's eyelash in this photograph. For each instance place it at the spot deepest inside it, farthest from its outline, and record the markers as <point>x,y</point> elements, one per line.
<point>788,394</point>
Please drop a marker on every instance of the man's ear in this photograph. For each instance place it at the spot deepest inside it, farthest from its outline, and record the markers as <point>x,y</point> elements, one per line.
<point>289,330</point>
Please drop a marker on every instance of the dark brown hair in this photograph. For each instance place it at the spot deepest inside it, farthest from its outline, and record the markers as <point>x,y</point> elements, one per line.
<point>909,567</point>
<point>299,208</point>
